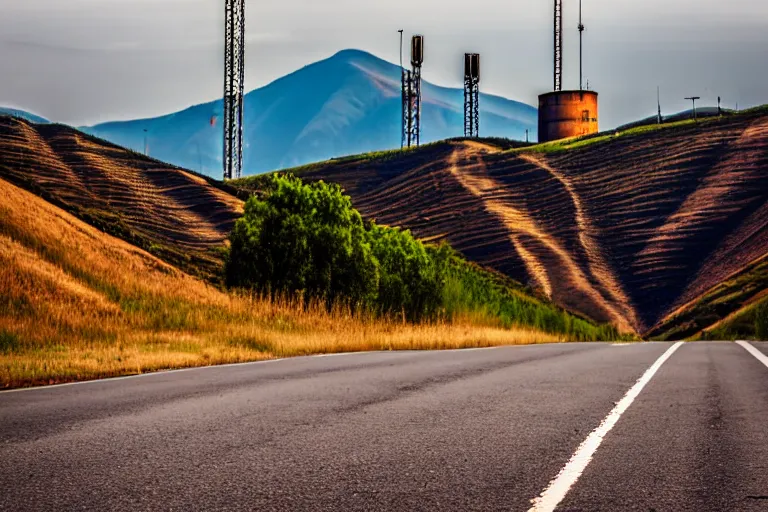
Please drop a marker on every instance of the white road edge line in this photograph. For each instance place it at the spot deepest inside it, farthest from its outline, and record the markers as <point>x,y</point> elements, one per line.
<point>752,350</point>
<point>569,475</point>
<point>214,366</point>
<point>176,370</point>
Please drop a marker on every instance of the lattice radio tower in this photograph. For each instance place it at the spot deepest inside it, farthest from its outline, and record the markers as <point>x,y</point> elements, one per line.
<point>411,95</point>
<point>581,50</point>
<point>558,45</point>
<point>234,87</point>
<point>471,95</point>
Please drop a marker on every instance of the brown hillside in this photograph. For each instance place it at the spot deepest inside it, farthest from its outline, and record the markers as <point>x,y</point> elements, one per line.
<point>624,229</point>
<point>76,303</point>
<point>634,229</point>
<point>166,210</point>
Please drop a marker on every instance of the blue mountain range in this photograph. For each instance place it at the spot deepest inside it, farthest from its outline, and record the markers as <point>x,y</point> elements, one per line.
<point>33,118</point>
<point>346,104</point>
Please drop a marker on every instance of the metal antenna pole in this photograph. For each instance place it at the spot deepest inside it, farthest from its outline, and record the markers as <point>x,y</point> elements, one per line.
<point>471,95</point>
<point>414,100</point>
<point>402,93</point>
<point>558,45</point>
<point>234,87</point>
<point>409,95</point>
<point>416,92</point>
<point>581,51</point>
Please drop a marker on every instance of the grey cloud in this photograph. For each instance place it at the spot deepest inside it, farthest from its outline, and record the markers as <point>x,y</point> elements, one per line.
<point>84,61</point>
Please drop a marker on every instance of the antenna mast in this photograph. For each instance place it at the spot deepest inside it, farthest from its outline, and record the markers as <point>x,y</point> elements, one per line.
<point>558,45</point>
<point>658,100</point>
<point>234,87</point>
<point>471,95</point>
<point>411,95</point>
<point>403,109</point>
<point>581,51</point>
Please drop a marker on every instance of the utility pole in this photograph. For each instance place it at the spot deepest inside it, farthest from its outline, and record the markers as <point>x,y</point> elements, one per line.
<point>719,109</point>
<point>693,99</point>
<point>526,135</point>
<point>146,148</point>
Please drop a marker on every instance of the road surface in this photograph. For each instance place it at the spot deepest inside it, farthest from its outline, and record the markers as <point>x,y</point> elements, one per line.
<point>578,427</point>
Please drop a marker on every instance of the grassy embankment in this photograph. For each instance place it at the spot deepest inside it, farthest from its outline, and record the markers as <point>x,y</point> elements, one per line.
<point>727,312</point>
<point>80,304</point>
<point>749,323</point>
<point>614,135</point>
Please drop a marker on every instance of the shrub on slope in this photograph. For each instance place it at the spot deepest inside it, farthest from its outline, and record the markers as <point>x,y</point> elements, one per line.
<point>303,239</point>
<point>307,239</point>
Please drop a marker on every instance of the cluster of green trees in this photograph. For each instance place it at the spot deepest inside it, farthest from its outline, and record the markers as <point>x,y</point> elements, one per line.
<point>307,238</point>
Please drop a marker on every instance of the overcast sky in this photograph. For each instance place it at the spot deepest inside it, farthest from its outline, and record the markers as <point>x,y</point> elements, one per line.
<point>88,61</point>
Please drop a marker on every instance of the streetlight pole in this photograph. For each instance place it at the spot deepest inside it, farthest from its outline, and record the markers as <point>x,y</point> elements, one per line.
<point>693,99</point>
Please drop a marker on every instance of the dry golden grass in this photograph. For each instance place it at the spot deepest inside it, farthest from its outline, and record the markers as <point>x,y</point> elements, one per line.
<point>79,304</point>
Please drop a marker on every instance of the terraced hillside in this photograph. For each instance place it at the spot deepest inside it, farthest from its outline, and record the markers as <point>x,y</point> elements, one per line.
<point>627,229</point>
<point>663,232</point>
<point>168,211</point>
<point>76,304</point>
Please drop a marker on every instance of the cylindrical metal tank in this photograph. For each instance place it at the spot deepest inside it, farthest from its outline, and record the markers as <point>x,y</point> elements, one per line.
<point>564,114</point>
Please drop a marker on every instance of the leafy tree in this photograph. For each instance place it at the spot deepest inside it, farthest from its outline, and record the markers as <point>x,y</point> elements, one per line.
<point>412,276</point>
<point>303,238</point>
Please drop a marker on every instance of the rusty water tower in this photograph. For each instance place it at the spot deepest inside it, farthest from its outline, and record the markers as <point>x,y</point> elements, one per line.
<point>564,114</point>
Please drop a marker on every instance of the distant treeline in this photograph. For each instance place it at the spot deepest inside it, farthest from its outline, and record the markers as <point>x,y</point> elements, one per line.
<point>299,238</point>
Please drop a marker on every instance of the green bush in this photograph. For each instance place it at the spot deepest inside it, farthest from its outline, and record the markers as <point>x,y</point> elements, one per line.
<point>761,321</point>
<point>411,276</point>
<point>307,239</point>
<point>303,238</point>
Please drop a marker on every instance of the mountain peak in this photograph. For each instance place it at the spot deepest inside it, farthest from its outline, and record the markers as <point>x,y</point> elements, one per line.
<point>354,54</point>
<point>347,103</point>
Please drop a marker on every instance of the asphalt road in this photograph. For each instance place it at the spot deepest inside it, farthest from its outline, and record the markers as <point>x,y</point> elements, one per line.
<point>458,430</point>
